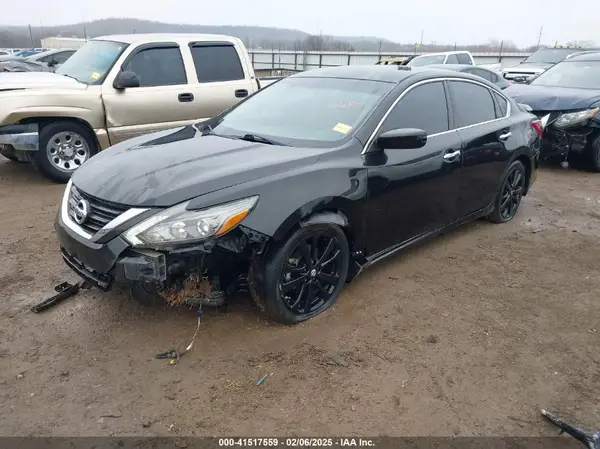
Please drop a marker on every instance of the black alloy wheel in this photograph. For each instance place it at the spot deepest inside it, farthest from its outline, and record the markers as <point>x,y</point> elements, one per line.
<point>510,194</point>
<point>303,277</point>
<point>311,273</point>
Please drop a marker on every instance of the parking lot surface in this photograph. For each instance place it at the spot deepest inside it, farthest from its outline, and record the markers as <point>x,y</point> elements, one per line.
<point>468,334</point>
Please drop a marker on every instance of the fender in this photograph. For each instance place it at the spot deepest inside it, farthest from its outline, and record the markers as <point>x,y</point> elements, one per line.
<point>326,217</point>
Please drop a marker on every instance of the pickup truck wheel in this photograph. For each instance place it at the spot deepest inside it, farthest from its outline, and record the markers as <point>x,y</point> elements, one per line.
<point>303,276</point>
<point>63,147</point>
<point>508,198</point>
<point>594,156</point>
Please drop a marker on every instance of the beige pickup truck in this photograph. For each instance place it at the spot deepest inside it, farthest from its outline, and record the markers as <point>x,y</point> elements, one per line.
<point>115,88</point>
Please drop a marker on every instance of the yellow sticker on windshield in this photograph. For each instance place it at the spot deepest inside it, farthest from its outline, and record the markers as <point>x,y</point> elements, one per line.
<point>342,128</point>
<point>95,76</point>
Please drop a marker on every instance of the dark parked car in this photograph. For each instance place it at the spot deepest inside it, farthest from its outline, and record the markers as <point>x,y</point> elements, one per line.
<point>300,185</point>
<point>566,98</point>
<point>537,63</point>
<point>486,74</point>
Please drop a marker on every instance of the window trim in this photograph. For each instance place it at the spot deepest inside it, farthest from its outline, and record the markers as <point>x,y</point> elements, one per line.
<point>371,138</point>
<point>152,46</point>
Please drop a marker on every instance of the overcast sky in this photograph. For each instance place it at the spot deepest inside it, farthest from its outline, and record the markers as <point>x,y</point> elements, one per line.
<point>443,21</point>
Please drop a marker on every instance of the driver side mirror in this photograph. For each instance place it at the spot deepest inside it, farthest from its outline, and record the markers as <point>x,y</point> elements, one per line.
<point>125,80</point>
<point>402,139</point>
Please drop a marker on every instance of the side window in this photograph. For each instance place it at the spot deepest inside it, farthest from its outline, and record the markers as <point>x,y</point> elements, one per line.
<point>423,107</point>
<point>452,59</point>
<point>62,57</point>
<point>472,103</point>
<point>46,58</point>
<point>482,73</point>
<point>501,105</point>
<point>158,67</point>
<point>463,58</point>
<point>217,63</point>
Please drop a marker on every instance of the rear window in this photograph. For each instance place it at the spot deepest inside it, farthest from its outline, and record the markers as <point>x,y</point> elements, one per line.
<point>463,58</point>
<point>217,63</point>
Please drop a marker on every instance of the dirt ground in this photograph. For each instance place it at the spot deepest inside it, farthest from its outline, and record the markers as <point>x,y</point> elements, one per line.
<point>469,334</point>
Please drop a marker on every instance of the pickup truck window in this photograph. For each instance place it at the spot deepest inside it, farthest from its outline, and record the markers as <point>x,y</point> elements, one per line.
<point>303,111</point>
<point>161,66</point>
<point>452,59</point>
<point>421,61</point>
<point>217,63</point>
<point>464,58</point>
<point>91,63</point>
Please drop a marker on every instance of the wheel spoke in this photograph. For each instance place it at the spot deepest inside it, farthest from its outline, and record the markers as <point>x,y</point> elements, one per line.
<point>330,279</point>
<point>304,249</point>
<point>324,292</point>
<point>314,248</point>
<point>298,298</point>
<point>310,296</point>
<point>337,254</point>
<point>505,201</point>
<point>516,179</point>
<point>287,286</point>
<point>326,252</point>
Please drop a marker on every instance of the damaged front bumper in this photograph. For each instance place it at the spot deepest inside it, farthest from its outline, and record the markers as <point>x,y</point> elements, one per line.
<point>558,143</point>
<point>17,138</point>
<point>115,261</point>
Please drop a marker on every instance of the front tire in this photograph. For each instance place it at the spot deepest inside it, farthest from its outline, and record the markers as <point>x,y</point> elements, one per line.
<point>302,276</point>
<point>594,156</point>
<point>63,147</point>
<point>508,198</point>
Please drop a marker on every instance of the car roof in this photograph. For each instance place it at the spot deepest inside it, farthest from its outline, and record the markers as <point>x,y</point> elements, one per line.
<point>453,66</point>
<point>588,56</point>
<point>164,37</point>
<point>385,73</point>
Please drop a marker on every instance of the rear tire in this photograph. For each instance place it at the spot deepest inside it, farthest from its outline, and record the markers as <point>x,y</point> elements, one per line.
<point>302,276</point>
<point>508,198</point>
<point>594,156</point>
<point>63,147</point>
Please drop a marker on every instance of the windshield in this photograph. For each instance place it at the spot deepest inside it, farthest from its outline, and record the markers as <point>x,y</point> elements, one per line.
<point>302,111</point>
<point>576,74</point>
<point>550,55</point>
<point>420,61</point>
<point>91,63</point>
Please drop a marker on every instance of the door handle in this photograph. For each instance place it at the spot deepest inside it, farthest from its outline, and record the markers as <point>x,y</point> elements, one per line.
<point>451,156</point>
<point>241,93</point>
<point>186,98</point>
<point>505,136</point>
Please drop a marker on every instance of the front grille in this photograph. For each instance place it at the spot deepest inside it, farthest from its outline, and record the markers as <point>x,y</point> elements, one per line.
<point>100,212</point>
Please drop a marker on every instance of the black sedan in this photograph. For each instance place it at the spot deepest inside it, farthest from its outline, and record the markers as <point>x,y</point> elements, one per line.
<point>489,75</point>
<point>298,187</point>
<point>567,99</point>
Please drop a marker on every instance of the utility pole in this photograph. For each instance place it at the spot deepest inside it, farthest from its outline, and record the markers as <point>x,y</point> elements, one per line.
<point>31,36</point>
<point>540,36</point>
<point>421,44</point>
<point>42,26</point>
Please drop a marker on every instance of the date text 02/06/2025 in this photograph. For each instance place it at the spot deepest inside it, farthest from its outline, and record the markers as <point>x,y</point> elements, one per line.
<point>296,442</point>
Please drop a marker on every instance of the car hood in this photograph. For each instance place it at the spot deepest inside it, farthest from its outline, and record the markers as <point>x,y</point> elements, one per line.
<point>30,80</point>
<point>550,98</point>
<point>169,167</point>
<point>530,66</point>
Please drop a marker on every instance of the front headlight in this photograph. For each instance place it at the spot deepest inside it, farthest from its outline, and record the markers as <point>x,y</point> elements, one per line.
<point>178,225</point>
<point>575,118</point>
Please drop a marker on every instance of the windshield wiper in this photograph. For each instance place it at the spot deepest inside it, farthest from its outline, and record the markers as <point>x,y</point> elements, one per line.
<point>258,138</point>
<point>70,76</point>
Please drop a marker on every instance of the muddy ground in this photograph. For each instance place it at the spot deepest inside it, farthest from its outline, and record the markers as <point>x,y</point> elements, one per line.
<point>469,334</point>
